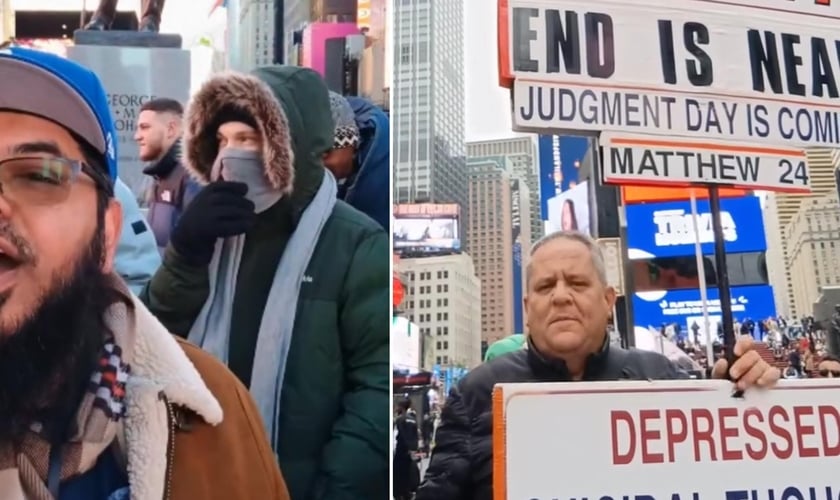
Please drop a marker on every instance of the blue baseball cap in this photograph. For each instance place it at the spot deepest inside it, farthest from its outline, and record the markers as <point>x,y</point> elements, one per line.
<point>62,91</point>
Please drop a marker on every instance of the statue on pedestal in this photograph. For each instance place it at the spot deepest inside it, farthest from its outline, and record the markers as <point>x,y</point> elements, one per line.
<point>150,14</point>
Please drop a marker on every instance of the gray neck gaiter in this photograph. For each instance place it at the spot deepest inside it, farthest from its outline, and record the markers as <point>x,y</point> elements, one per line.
<point>241,165</point>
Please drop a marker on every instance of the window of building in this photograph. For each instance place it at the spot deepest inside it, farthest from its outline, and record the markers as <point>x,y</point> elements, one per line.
<point>405,53</point>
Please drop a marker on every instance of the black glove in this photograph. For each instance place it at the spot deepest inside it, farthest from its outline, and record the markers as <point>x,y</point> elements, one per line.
<point>219,210</point>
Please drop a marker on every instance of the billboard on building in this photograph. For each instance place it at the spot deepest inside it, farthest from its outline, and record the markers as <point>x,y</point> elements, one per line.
<point>667,229</point>
<point>684,307</point>
<point>560,157</point>
<point>516,255</point>
<point>323,48</point>
<point>427,228</point>
<point>569,210</point>
<point>645,194</point>
<point>405,345</point>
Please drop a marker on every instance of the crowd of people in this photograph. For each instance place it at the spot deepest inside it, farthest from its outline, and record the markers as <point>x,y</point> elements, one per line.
<point>235,344</point>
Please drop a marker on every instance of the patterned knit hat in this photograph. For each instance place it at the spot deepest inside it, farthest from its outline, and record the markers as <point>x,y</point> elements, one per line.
<point>346,130</point>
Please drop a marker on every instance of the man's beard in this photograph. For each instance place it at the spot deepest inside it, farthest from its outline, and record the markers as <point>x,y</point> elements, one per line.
<point>47,363</point>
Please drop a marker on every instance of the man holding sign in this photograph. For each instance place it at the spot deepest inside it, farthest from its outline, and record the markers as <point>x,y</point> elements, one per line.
<point>568,305</point>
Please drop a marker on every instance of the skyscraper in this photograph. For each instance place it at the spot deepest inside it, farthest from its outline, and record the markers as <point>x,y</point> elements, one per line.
<point>521,154</point>
<point>428,109</point>
<point>499,240</point>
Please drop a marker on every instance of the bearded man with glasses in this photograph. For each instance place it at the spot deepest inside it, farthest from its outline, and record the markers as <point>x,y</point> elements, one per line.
<point>97,400</point>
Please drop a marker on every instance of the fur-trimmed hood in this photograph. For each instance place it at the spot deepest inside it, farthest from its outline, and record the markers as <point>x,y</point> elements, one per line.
<point>252,96</point>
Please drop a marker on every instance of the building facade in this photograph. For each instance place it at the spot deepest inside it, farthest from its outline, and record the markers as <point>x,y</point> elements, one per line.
<point>443,297</point>
<point>523,160</point>
<point>499,239</point>
<point>427,92</point>
<point>821,164</point>
<point>813,244</point>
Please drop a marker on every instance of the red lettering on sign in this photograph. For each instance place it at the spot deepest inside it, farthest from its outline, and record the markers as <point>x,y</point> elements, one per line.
<point>648,435</point>
<point>672,435</point>
<point>753,417</point>
<point>703,432</point>
<point>803,430</point>
<point>777,413</point>
<point>625,458</point>
<point>728,429</point>
<point>726,434</point>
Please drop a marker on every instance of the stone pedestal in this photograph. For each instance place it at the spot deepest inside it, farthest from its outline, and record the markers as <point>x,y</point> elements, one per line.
<point>134,67</point>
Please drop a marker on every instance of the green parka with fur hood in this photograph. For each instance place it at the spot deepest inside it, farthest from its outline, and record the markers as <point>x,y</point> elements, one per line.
<point>334,424</point>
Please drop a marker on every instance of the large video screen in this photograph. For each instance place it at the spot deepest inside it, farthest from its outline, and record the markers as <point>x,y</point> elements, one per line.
<point>427,228</point>
<point>678,273</point>
<point>569,210</point>
<point>667,229</point>
<point>684,307</point>
<point>440,233</point>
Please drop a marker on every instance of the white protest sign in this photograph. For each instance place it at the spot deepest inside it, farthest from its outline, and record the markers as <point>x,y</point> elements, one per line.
<point>682,67</point>
<point>611,248</point>
<point>821,8</point>
<point>652,160</point>
<point>674,440</point>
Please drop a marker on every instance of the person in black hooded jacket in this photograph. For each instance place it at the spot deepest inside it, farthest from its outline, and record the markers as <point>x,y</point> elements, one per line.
<point>568,305</point>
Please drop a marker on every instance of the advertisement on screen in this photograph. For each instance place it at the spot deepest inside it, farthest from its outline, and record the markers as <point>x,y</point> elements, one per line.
<point>516,225</point>
<point>569,211</point>
<point>667,229</point>
<point>426,227</point>
<point>560,157</point>
<point>685,308</point>
<point>432,234</point>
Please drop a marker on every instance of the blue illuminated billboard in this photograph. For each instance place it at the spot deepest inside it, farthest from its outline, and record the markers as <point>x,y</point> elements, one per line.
<point>684,307</point>
<point>559,158</point>
<point>667,229</point>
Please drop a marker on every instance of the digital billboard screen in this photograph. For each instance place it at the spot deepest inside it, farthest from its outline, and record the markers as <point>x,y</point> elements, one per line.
<point>676,273</point>
<point>559,164</point>
<point>684,307</point>
<point>426,227</point>
<point>667,229</point>
<point>569,210</point>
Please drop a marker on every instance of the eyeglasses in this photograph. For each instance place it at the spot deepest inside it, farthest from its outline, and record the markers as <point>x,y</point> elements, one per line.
<point>40,180</point>
<point>830,373</point>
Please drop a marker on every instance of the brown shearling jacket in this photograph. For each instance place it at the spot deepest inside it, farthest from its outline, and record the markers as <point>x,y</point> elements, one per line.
<point>230,461</point>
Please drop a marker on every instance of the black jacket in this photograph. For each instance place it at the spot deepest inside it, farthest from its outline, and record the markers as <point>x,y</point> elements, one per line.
<point>462,461</point>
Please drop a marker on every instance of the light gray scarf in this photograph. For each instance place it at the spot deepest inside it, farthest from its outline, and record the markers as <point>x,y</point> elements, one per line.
<point>211,330</point>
